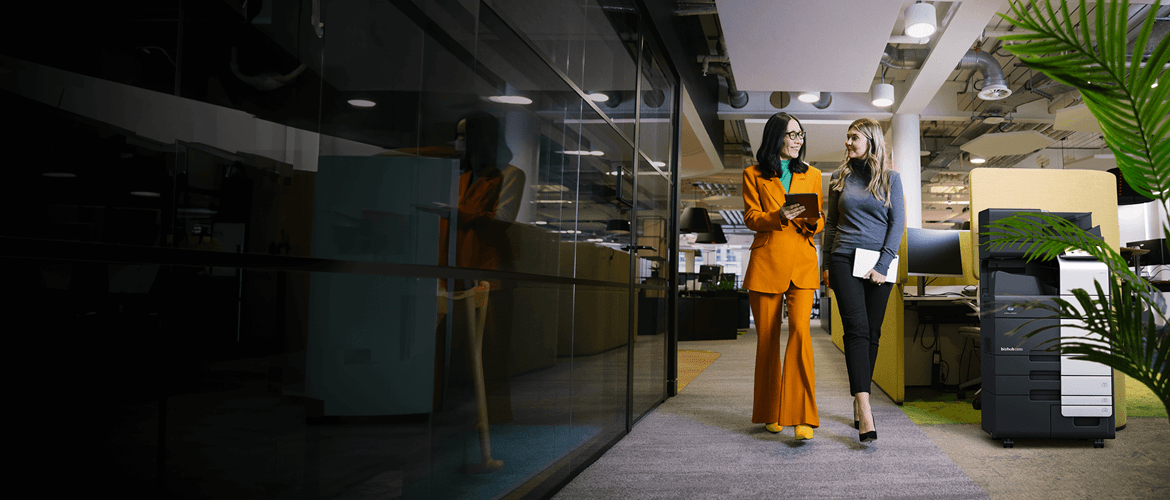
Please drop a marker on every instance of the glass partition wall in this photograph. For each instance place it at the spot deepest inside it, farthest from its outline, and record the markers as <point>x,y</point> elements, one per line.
<point>359,248</point>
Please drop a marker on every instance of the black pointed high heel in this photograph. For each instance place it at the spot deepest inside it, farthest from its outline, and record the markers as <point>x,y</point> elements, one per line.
<point>867,436</point>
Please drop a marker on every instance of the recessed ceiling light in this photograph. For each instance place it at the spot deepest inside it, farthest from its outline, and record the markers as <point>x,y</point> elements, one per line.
<point>597,97</point>
<point>977,160</point>
<point>510,99</point>
<point>658,163</point>
<point>362,103</point>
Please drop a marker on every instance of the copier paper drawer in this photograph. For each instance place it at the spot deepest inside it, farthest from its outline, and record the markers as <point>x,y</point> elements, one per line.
<point>1086,386</point>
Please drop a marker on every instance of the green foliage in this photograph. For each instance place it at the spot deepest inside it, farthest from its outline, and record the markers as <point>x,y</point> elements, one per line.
<point>1134,113</point>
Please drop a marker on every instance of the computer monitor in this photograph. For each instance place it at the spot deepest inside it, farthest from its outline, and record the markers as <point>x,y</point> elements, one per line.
<point>1159,253</point>
<point>708,274</point>
<point>933,252</point>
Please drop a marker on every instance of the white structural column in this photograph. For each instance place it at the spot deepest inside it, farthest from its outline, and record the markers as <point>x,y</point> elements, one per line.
<point>906,146</point>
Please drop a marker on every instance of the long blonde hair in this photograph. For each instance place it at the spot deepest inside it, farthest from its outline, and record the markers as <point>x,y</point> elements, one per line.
<point>878,159</point>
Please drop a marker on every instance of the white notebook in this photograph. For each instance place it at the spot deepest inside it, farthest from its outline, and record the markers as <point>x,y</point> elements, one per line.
<point>866,259</point>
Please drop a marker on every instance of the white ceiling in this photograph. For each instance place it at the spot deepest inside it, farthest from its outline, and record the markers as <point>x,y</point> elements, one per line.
<point>837,46</point>
<point>824,45</point>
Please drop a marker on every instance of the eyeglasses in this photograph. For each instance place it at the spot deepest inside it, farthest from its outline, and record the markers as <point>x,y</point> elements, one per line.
<point>794,135</point>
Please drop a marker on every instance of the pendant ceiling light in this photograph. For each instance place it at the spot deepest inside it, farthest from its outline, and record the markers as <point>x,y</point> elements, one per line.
<point>695,219</point>
<point>920,20</point>
<point>883,94</point>
<point>715,236</point>
<point>618,226</point>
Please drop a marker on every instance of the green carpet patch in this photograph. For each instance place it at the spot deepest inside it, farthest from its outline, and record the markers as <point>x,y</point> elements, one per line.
<point>1140,401</point>
<point>926,407</point>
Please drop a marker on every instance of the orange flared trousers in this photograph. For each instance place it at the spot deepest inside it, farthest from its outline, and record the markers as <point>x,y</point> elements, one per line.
<point>785,395</point>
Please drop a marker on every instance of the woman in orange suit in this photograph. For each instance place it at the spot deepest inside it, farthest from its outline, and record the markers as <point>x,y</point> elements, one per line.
<point>783,267</point>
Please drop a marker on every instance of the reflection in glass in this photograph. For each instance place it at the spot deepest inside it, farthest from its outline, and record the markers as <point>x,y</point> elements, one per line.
<point>433,299</point>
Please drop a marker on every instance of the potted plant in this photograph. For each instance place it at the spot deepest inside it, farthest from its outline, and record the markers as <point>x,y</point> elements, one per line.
<point>1124,93</point>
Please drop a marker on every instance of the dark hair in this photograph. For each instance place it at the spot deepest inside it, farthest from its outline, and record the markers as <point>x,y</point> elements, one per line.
<point>483,142</point>
<point>768,154</point>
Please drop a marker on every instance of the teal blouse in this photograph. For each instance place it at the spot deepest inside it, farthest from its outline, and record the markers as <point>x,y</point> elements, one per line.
<point>785,175</point>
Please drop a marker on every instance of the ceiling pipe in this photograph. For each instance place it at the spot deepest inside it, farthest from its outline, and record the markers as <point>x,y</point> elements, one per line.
<point>994,85</point>
<point>825,100</point>
<point>896,58</point>
<point>735,97</point>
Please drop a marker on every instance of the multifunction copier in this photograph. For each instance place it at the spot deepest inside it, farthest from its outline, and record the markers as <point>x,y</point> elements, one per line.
<point>1029,389</point>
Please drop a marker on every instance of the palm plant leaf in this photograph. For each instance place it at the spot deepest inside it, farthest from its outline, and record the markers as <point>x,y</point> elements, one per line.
<point>1134,114</point>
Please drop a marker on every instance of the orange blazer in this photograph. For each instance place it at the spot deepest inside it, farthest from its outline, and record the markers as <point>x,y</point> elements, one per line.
<point>783,251</point>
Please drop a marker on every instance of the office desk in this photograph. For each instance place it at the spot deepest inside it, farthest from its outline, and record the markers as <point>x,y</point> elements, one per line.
<point>925,363</point>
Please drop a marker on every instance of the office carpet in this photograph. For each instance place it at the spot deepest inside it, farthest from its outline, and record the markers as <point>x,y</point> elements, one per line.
<point>935,407</point>
<point>702,444</point>
<point>1140,401</point>
<point>691,363</point>
<point>930,407</point>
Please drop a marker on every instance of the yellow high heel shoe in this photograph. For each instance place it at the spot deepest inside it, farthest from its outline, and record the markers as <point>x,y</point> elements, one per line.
<point>773,428</point>
<point>803,432</point>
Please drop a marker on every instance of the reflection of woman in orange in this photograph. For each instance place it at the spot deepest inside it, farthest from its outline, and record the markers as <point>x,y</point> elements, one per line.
<point>782,267</point>
<point>489,198</point>
<point>487,193</point>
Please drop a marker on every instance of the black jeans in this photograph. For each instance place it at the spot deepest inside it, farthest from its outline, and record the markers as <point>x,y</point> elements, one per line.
<point>863,307</point>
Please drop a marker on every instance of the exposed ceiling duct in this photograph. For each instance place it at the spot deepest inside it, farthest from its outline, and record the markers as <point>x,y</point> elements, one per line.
<point>994,84</point>
<point>896,58</point>
<point>824,102</point>
<point>735,97</point>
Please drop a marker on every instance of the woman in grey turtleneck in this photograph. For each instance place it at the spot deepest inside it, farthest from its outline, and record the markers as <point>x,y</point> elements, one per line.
<point>864,209</point>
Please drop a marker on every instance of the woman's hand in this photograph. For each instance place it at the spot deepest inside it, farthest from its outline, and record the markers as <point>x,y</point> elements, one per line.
<point>825,279</point>
<point>791,211</point>
<point>875,277</point>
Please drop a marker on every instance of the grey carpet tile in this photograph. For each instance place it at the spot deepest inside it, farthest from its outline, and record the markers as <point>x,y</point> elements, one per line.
<point>702,444</point>
<point>1136,464</point>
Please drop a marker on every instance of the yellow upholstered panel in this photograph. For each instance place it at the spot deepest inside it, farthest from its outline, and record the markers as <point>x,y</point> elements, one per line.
<point>1052,190</point>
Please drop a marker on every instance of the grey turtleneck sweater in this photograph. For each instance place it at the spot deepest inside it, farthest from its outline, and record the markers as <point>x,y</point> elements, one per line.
<point>855,219</point>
